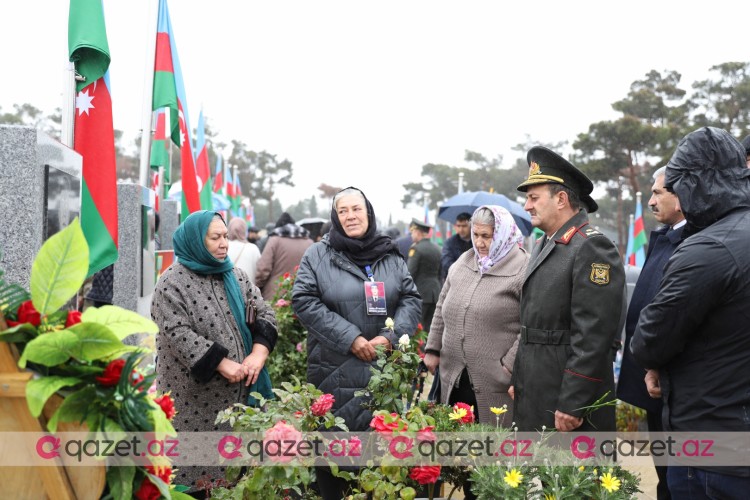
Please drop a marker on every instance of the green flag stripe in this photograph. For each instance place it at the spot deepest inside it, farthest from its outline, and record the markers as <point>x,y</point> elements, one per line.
<point>102,248</point>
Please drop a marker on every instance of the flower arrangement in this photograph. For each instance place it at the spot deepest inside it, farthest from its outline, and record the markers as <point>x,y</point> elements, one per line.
<point>289,357</point>
<point>298,408</point>
<point>83,354</point>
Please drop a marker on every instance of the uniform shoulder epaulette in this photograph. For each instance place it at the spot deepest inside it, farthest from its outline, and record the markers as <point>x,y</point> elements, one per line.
<point>572,231</point>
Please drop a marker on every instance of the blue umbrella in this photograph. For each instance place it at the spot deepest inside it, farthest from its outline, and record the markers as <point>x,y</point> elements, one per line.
<point>471,200</point>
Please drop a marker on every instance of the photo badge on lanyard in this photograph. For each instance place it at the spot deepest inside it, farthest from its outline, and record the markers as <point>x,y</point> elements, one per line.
<point>375,298</point>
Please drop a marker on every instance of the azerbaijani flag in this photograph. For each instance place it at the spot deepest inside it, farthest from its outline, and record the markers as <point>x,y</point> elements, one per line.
<point>201,165</point>
<point>237,198</point>
<point>94,136</point>
<point>169,92</point>
<point>160,146</point>
<point>638,256</point>
<point>218,176</point>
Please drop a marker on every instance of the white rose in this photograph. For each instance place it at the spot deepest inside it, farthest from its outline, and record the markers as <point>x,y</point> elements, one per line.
<point>389,323</point>
<point>404,341</point>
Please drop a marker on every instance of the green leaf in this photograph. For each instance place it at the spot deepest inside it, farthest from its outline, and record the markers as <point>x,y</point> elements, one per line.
<point>120,481</point>
<point>19,333</point>
<point>39,390</point>
<point>49,349</point>
<point>73,408</point>
<point>120,321</point>
<point>59,269</point>
<point>176,495</point>
<point>95,341</point>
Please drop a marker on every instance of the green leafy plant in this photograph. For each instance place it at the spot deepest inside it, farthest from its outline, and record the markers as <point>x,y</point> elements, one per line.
<point>84,356</point>
<point>298,407</point>
<point>289,357</point>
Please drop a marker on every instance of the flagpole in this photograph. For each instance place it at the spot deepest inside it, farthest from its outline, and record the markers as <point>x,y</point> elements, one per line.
<point>68,106</point>
<point>148,90</point>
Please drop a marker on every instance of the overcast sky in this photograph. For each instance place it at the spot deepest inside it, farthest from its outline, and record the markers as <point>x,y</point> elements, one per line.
<point>365,93</point>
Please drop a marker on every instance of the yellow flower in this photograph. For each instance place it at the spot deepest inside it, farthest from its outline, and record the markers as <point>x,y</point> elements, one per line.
<point>499,411</point>
<point>458,414</point>
<point>610,482</point>
<point>549,496</point>
<point>581,468</point>
<point>513,478</point>
<point>596,472</point>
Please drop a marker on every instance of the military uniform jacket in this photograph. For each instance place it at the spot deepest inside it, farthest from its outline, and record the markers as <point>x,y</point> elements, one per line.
<point>571,303</point>
<point>424,267</point>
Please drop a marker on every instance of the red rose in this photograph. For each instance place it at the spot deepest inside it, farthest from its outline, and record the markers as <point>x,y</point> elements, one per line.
<point>425,474</point>
<point>148,491</point>
<point>27,314</point>
<point>386,424</point>
<point>322,405</point>
<point>287,276</point>
<point>167,405</point>
<point>74,317</point>
<point>426,434</point>
<point>419,327</point>
<point>113,371</point>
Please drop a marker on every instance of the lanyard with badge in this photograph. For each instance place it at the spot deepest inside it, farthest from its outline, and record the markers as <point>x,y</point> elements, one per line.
<point>374,295</point>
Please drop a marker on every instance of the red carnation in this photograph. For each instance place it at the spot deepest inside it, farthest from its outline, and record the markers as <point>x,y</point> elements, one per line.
<point>167,405</point>
<point>425,474</point>
<point>162,472</point>
<point>28,314</point>
<point>74,317</point>
<point>322,405</point>
<point>148,491</point>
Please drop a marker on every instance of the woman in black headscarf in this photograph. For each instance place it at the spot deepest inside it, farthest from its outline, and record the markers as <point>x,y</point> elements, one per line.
<point>332,297</point>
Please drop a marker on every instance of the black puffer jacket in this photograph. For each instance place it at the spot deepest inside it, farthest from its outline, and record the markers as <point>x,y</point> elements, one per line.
<point>329,299</point>
<point>697,329</point>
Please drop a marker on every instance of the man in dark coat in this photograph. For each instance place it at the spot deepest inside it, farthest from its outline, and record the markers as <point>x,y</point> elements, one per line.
<point>631,386</point>
<point>457,244</point>
<point>424,267</point>
<point>571,303</point>
<point>695,331</point>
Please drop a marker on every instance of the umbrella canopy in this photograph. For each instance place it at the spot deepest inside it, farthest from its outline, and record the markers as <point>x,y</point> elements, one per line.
<point>220,201</point>
<point>311,220</point>
<point>471,200</point>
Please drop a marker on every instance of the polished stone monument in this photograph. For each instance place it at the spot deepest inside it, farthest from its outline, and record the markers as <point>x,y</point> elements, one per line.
<point>39,195</point>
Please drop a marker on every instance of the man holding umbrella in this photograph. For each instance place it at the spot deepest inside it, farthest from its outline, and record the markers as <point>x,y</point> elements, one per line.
<point>571,303</point>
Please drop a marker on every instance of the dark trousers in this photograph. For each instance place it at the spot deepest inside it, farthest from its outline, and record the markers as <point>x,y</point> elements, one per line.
<point>428,311</point>
<point>698,484</point>
<point>653,419</point>
<point>331,487</point>
<point>464,393</point>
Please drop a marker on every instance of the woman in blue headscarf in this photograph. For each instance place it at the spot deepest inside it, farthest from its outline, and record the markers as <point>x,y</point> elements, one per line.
<point>208,355</point>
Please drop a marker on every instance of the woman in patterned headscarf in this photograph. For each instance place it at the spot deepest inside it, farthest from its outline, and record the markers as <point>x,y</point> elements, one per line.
<point>474,334</point>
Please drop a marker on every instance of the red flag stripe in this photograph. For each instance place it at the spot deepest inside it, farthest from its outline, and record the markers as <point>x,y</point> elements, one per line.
<point>163,60</point>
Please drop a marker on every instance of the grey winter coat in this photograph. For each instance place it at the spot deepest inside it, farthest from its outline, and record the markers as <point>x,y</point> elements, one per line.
<point>329,299</point>
<point>476,326</point>
<point>197,331</point>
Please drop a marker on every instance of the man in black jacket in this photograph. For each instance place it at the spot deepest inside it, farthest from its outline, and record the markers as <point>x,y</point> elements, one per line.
<point>695,331</point>
<point>457,244</point>
<point>631,386</point>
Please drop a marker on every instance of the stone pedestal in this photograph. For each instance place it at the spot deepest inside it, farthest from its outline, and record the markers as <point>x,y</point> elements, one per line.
<point>134,272</point>
<point>39,195</point>
<point>169,220</point>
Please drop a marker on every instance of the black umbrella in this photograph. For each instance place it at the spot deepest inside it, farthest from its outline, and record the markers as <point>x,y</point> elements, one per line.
<point>471,200</point>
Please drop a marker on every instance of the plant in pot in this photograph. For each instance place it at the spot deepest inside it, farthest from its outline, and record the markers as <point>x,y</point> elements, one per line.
<point>82,357</point>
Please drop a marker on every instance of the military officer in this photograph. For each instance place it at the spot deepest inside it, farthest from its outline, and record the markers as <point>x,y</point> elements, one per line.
<point>424,267</point>
<point>571,303</point>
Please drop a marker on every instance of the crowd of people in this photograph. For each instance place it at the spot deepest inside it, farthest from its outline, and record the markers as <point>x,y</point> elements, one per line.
<point>534,331</point>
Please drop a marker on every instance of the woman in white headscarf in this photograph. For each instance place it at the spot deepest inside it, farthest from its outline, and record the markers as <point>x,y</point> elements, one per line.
<point>475,329</point>
<point>244,255</point>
